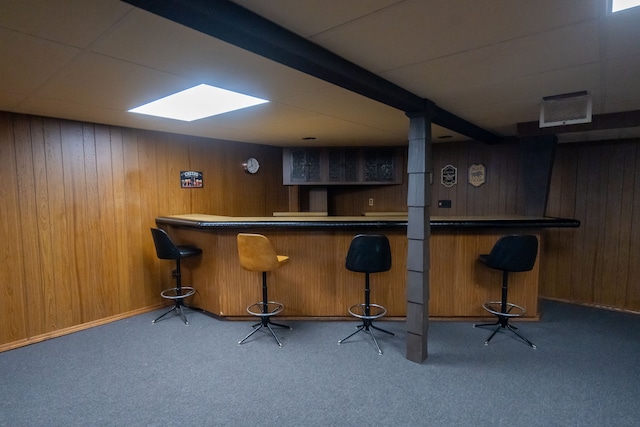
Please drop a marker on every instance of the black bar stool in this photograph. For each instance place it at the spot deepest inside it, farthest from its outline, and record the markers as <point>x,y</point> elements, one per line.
<point>257,254</point>
<point>166,249</point>
<point>510,254</point>
<point>368,253</point>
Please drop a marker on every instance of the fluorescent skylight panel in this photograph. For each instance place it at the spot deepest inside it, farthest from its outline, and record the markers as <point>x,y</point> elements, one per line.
<point>198,102</point>
<point>618,5</point>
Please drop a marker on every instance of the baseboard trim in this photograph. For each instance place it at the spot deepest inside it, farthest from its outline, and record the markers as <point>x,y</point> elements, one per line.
<point>70,330</point>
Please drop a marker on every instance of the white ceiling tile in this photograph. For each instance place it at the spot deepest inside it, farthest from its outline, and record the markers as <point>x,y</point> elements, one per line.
<point>73,22</point>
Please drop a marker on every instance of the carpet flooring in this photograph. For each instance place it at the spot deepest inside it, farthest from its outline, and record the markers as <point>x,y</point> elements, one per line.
<point>584,372</point>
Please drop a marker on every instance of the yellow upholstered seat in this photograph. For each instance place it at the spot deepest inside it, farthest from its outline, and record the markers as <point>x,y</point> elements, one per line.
<point>257,254</point>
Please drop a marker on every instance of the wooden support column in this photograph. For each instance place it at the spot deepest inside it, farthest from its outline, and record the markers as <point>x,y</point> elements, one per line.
<point>418,234</point>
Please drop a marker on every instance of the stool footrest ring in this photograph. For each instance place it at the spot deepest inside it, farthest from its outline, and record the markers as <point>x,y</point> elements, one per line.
<point>258,309</point>
<point>375,311</point>
<point>172,293</point>
<point>495,308</point>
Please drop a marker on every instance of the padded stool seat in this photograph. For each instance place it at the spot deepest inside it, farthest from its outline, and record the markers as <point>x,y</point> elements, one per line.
<point>257,254</point>
<point>368,253</point>
<point>166,249</point>
<point>515,253</point>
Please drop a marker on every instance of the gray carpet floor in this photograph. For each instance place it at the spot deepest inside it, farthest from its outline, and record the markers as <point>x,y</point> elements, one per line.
<point>585,372</point>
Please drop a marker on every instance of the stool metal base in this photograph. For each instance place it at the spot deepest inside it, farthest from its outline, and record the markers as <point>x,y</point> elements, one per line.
<point>495,308</point>
<point>362,312</point>
<point>266,311</point>
<point>177,295</point>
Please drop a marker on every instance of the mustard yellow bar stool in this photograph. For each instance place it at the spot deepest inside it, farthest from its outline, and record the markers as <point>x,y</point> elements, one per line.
<point>257,254</point>
<point>166,249</point>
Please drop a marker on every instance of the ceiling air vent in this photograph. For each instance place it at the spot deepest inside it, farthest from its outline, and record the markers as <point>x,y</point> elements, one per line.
<point>565,109</point>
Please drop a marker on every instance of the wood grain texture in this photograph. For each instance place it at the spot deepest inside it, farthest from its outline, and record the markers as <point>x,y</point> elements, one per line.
<point>598,184</point>
<point>76,205</point>
<point>77,201</point>
<point>315,282</point>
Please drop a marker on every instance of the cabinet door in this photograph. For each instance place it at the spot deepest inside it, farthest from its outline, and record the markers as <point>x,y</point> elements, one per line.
<point>305,166</point>
<point>380,165</point>
<point>343,165</point>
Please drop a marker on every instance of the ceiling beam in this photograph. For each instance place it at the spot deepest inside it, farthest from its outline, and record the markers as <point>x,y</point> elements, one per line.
<point>234,24</point>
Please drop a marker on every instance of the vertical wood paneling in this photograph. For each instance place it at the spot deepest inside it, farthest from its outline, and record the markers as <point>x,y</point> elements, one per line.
<point>13,320</point>
<point>145,194</point>
<point>632,297</point>
<point>44,288</point>
<point>58,218</point>
<point>107,283</point>
<point>94,302</point>
<point>76,205</point>
<point>70,299</point>
<point>612,227</point>
<point>141,262</point>
<point>28,222</point>
<point>499,195</point>
<point>120,276</point>
<point>625,255</point>
<point>78,199</point>
<point>598,184</point>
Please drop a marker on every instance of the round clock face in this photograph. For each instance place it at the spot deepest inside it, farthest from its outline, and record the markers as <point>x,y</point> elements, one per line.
<point>251,165</point>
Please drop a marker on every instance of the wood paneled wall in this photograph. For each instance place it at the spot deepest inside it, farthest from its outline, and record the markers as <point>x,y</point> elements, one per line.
<point>597,183</point>
<point>77,201</point>
<point>501,194</point>
<point>598,263</point>
<point>76,204</point>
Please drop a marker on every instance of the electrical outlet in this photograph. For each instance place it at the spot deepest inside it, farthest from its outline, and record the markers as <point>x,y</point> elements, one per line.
<point>371,201</point>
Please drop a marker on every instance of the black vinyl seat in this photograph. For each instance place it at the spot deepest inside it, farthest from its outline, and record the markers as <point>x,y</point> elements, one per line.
<point>516,253</point>
<point>368,253</point>
<point>166,249</point>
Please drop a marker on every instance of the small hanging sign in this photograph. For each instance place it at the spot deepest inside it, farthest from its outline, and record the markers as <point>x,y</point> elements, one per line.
<point>449,176</point>
<point>477,175</point>
<point>190,179</point>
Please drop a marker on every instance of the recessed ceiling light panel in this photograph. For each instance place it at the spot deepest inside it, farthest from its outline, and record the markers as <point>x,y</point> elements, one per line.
<point>198,102</point>
<point>618,5</point>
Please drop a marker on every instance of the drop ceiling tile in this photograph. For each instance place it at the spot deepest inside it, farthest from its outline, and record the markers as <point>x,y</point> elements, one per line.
<point>27,62</point>
<point>73,22</point>
<point>154,42</point>
<point>416,31</point>
<point>102,81</point>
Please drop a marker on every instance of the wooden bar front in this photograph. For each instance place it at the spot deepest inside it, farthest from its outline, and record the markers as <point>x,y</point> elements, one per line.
<point>315,282</point>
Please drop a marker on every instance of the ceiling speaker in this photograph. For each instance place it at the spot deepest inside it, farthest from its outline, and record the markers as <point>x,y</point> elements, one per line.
<point>565,109</point>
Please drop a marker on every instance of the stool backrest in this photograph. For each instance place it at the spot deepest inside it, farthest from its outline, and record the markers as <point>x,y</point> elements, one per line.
<point>514,253</point>
<point>369,253</point>
<point>165,249</point>
<point>256,253</point>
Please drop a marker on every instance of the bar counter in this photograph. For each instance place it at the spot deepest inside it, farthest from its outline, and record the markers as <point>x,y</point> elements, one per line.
<point>315,282</point>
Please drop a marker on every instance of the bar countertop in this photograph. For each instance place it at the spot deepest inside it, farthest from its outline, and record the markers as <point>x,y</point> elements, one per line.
<point>204,221</point>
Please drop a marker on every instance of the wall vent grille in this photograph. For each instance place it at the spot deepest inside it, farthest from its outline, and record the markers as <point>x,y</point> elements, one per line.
<point>565,109</point>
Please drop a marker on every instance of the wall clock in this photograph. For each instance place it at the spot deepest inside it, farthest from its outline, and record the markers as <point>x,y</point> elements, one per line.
<point>251,165</point>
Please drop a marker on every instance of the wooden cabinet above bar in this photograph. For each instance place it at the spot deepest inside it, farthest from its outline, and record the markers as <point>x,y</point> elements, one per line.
<point>342,166</point>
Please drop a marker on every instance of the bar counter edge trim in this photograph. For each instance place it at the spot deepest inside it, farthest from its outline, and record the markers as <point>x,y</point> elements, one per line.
<point>440,224</point>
